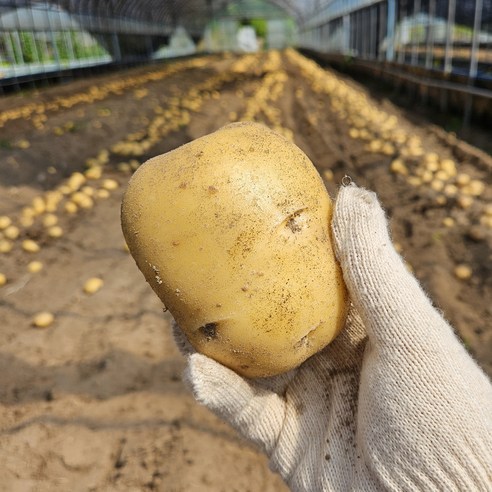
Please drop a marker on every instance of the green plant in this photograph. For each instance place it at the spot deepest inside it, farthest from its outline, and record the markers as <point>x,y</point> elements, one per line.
<point>28,44</point>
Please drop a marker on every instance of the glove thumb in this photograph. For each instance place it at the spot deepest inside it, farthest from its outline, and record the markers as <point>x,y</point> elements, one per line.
<point>256,412</point>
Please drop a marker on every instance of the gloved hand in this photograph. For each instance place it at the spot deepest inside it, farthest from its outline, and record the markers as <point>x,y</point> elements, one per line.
<point>394,403</point>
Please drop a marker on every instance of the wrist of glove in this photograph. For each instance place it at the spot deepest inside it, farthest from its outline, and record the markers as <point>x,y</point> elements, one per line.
<point>395,402</point>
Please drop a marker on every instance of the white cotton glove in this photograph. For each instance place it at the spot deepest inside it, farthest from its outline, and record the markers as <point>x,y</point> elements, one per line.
<point>401,408</point>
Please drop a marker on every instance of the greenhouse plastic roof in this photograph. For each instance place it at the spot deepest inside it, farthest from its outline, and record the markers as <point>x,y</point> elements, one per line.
<point>194,14</point>
<point>165,10</point>
<point>174,12</point>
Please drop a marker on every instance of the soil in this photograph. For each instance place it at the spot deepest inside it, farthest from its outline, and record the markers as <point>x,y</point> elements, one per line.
<point>96,401</point>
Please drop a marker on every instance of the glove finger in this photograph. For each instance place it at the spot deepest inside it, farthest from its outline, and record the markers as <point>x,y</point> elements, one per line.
<point>181,341</point>
<point>385,293</point>
<point>255,411</point>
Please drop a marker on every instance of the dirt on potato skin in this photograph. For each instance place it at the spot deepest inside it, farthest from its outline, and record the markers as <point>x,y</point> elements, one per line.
<point>96,401</point>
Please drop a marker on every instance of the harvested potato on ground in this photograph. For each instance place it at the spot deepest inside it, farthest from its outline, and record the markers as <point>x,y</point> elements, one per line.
<point>448,221</point>
<point>30,246</point>
<point>102,193</point>
<point>463,272</point>
<point>25,221</point>
<point>49,220</point>
<point>92,285</point>
<point>4,222</point>
<point>5,246</point>
<point>43,319</point>
<point>232,231</point>
<point>34,266</point>
<point>55,232</point>
<point>12,232</point>
<point>94,172</point>
<point>82,200</point>
<point>110,184</point>
<point>71,208</point>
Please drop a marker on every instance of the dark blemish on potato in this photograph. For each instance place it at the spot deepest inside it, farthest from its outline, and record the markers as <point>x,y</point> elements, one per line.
<point>209,330</point>
<point>303,342</point>
<point>293,225</point>
<point>244,366</point>
<point>183,186</point>
<point>212,190</point>
<point>293,222</point>
<point>175,243</point>
<point>244,288</point>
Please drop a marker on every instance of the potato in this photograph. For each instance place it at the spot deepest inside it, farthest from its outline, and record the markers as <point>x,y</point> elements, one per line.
<point>232,231</point>
<point>463,272</point>
<point>92,285</point>
<point>30,246</point>
<point>5,222</point>
<point>34,266</point>
<point>43,319</point>
<point>55,231</point>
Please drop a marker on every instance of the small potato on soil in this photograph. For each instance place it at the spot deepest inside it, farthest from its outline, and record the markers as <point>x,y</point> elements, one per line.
<point>92,285</point>
<point>4,222</point>
<point>34,267</point>
<point>43,319</point>
<point>463,272</point>
<point>30,246</point>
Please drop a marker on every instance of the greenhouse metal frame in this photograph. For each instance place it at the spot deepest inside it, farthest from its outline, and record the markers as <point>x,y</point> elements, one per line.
<point>40,40</point>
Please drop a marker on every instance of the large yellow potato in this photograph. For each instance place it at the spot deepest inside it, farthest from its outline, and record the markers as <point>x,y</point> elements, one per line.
<point>232,231</point>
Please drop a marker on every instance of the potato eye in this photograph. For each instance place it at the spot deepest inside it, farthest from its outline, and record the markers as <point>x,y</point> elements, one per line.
<point>209,330</point>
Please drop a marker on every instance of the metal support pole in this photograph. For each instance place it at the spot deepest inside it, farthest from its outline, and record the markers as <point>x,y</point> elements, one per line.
<point>477,24</point>
<point>354,43</point>
<point>116,46</point>
<point>54,46</point>
<point>429,53</point>
<point>414,33</point>
<point>402,46</point>
<point>373,16</point>
<point>390,30</point>
<point>448,54</point>
<point>361,32</point>
<point>346,34</point>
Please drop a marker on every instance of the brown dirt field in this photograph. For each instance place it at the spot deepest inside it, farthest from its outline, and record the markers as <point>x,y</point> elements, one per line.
<point>95,401</point>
